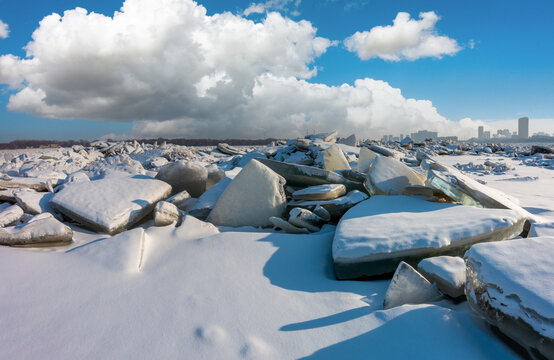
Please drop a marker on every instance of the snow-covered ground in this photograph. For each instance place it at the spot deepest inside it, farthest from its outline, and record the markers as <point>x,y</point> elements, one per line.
<point>198,291</point>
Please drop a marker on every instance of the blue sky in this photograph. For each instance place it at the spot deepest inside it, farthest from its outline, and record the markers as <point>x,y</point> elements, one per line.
<point>503,70</point>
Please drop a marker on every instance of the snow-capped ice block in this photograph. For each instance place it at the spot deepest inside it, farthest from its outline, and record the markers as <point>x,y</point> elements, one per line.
<point>179,199</point>
<point>10,214</point>
<point>447,272</point>
<point>113,203</point>
<point>328,137</point>
<point>301,175</point>
<point>386,151</point>
<point>511,285</point>
<point>38,184</point>
<point>409,287</point>
<point>165,213</point>
<point>33,202</point>
<point>215,175</point>
<point>388,176</point>
<point>334,159</point>
<point>228,149</point>
<point>41,229</point>
<point>253,196</point>
<point>375,235</point>
<point>184,175</point>
<point>366,158</point>
<point>336,207</point>
<point>320,192</point>
<point>305,219</point>
<point>352,140</point>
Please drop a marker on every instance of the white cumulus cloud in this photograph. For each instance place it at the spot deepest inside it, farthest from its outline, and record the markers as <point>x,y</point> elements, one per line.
<point>4,30</point>
<point>172,70</point>
<point>405,39</point>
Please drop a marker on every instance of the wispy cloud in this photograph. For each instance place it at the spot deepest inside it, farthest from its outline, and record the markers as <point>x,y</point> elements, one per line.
<point>406,39</point>
<point>289,6</point>
<point>4,30</point>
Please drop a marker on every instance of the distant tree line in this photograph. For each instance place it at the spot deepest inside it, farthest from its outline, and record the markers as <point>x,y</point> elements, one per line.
<point>25,144</point>
<point>35,144</point>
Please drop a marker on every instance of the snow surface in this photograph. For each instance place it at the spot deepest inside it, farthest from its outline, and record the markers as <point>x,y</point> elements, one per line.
<point>203,294</point>
<point>405,225</point>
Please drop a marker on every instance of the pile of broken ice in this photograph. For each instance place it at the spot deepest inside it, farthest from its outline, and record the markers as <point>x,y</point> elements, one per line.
<point>398,211</point>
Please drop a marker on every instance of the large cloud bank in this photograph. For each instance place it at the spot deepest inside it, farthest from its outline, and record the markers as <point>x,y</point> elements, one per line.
<point>174,71</point>
<point>406,39</point>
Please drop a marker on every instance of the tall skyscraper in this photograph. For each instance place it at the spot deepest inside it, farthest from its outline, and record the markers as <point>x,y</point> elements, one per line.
<point>480,133</point>
<point>523,127</point>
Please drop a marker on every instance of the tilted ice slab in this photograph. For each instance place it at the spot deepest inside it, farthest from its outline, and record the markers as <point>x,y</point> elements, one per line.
<point>113,203</point>
<point>389,176</point>
<point>407,286</point>
<point>253,196</point>
<point>511,285</point>
<point>467,191</point>
<point>375,235</point>
<point>9,214</point>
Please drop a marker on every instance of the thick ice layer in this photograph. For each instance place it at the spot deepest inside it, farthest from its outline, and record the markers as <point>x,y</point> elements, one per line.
<point>111,204</point>
<point>511,285</point>
<point>253,196</point>
<point>388,176</point>
<point>320,192</point>
<point>375,235</point>
<point>305,219</point>
<point>334,159</point>
<point>41,229</point>
<point>447,272</point>
<point>184,175</point>
<point>165,213</point>
<point>301,175</point>
<point>287,226</point>
<point>409,287</point>
<point>10,214</point>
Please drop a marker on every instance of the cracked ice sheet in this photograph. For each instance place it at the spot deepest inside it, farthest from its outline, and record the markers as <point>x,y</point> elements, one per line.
<point>226,295</point>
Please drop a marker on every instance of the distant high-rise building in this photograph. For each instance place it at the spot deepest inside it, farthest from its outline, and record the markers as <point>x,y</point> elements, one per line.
<point>486,135</point>
<point>422,135</point>
<point>480,134</point>
<point>523,127</point>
